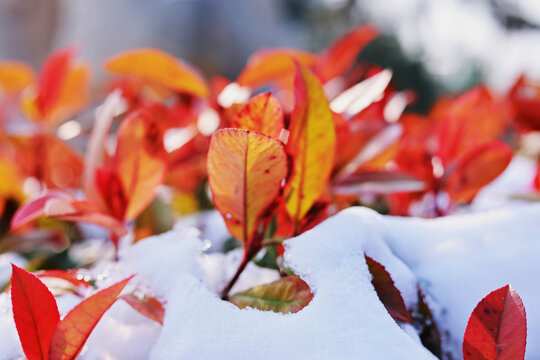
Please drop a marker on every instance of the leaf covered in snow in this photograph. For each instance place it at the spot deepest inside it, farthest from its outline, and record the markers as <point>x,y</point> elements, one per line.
<point>286,295</point>
<point>147,305</point>
<point>387,291</point>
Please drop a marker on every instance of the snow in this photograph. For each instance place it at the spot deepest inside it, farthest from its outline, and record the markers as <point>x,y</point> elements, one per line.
<point>345,319</point>
<point>459,259</point>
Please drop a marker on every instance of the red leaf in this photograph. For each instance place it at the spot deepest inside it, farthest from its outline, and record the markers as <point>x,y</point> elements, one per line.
<point>262,114</point>
<point>69,276</point>
<point>387,291</point>
<point>342,53</point>
<point>525,98</point>
<point>477,168</point>
<point>147,306</point>
<point>474,118</point>
<point>497,328</point>
<point>74,329</point>
<point>35,313</point>
<point>60,205</point>
<point>377,182</point>
<point>112,192</point>
<point>51,78</point>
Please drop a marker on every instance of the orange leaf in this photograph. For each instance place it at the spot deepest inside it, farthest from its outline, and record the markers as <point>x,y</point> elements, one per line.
<point>477,168</point>
<point>158,67</point>
<point>497,328</point>
<point>312,143</point>
<point>140,160</point>
<point>262,114</point>
<point>147,306</point>
<point>74,329</point>
<point>245,171</point>
<point>15,76</point>
<point>49,160</point>
<point>273,65</point>
<point>73,95</point>
<point>35,313</point>
<point>342,53</point>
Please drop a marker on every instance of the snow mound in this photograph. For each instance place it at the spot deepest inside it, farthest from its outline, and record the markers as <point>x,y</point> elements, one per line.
<point>345,319</point>
<point>460,259</point>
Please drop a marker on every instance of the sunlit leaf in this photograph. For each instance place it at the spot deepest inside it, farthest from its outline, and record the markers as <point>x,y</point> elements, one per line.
<point>246,170</point>
<point>497,328</point>
<point>472,119</point>
<point>156,66</point>
<point>262,114</point>
<point>74,329</point>
<point>48,159</point>
<point>343,52</point>
<point>286,295</point>
<point>363,94</point>
<point>377,182</point>
<point>35,313</point>
<point>68,276</point>
<point>312,143</point>
<point>273,65</point>
<point>60,205</point>
<point>387,291</point>
<point>477,168</point>
<point>140,160</point>
<point>51,78</point>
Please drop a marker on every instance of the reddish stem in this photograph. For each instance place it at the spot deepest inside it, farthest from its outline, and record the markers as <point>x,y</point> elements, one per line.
<point>115,240</point>
<point>249,254</point>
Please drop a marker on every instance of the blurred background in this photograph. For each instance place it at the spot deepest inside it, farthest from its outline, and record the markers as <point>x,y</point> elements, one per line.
<point>434,46</point>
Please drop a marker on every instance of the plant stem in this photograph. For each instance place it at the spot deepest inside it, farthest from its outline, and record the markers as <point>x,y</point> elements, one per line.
<point>225,292</point>
<point>248,255</point>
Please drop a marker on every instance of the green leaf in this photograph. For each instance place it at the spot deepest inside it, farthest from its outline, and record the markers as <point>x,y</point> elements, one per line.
<point>286,295</point>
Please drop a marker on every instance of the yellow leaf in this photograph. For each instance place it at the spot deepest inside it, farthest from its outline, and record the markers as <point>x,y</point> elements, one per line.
<point>15,76</point>
<point>312,143</point>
